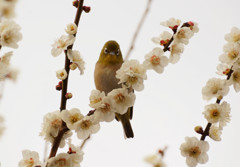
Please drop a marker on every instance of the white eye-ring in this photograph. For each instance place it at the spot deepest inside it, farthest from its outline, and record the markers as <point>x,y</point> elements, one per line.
<point>118,51</point>
<point>105,51</point>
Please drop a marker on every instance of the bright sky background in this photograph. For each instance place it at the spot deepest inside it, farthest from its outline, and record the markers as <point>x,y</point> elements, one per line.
<point>166,111</point>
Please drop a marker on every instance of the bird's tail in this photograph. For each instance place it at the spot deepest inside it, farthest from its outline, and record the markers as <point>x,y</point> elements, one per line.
<point>127,128</point>
<point>125,120</point>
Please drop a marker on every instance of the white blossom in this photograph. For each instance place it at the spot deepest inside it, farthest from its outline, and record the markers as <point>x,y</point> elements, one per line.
<point>215,87</point>
<point>163,39</point>
<point>231,53</point>
<point>194,151</point>
<point>235,79</point>
<point>132,73</point>
<point>176,49</point>
<point>223,69</point>
<point>105,112</point>
<point>75,57</point>
<point>71,29</point>
<point>61,74</point>
<point>215,113</point>
<point>233,36</point>
<point>171,23</point>
<point>215,133</point>
<point>61,44</point>
<point>51,125</point>
<point>87,126</point>
<point>156,161</point>
<point>121,100</point>
<point>10,34</point>
<point>156,60</point>
<point>193,26</point>
<point>71,117</point>
<point>183,35</point>
<point>6,58</point>
<point>61,160</point>
<point>96,98</point>
<point>30,159</point>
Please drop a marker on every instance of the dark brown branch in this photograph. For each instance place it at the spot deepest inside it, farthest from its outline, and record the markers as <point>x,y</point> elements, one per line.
<point>138,29</point>
<point>64,128</point>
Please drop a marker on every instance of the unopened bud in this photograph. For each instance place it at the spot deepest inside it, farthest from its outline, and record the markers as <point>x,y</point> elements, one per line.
<point>59,87</point>
<point>60,83</point>
<point>73,66</point>
<point>75,3</point>
<point>86,9</point>
<point>68,95</point>
<point>198,129</point>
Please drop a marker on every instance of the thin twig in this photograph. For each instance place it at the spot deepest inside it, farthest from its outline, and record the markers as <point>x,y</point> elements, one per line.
<point>138,29</point>
<point>64,128</point>
<point>84,142</point>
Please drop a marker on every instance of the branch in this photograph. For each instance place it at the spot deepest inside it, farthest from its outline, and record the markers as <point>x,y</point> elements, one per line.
<point>64,128</point>
<point>138,29</point>
<point>207,129</point>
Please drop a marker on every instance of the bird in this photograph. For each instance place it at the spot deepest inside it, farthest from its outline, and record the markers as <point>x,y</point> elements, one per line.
<point>110,60</point>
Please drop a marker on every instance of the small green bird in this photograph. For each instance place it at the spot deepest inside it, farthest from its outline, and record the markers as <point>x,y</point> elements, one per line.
<point>109,62</point>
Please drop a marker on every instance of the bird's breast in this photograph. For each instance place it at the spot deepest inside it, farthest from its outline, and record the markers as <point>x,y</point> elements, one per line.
<point>105,77</point>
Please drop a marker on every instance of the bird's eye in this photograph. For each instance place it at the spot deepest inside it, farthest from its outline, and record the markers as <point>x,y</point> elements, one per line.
<point>118,51</point>
<point>105,51</point>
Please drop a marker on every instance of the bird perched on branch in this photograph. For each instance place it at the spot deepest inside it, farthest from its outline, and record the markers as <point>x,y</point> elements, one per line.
<point>110,60</point>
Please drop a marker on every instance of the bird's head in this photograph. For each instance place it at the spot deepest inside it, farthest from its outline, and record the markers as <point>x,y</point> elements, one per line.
<point>111,53</point>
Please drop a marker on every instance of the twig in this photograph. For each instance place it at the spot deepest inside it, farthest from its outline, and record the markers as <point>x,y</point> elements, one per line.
<point>138,29</point>
<point>64,128</point>
<point>84,142</point>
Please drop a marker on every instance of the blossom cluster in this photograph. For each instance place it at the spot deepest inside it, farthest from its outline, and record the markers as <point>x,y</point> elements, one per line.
<point>131,76</point>
<point>62,45</point>
<point>72,158</point>
<point>132,73</point>
<point>217,114</point>
<point>9,37</point>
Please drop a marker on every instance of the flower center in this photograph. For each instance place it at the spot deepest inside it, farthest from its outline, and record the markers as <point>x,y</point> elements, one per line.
<point>233,54</point>
<point>29,162</point>
<point>106,108</point>
<point>132,79</point>
<point>215,113</point>
<point>119,98</point>
<point>85,125</point>
<point>155,60</point>
<point>236,76</point>
<point>194,152</point>
<point>95,101</point>
<point>74,118</point>
<point>61,162</point>
<point>181,34</point>
<point>56,123</point>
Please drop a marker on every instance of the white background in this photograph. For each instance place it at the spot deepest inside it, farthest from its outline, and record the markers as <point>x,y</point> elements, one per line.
<point>166,111</point>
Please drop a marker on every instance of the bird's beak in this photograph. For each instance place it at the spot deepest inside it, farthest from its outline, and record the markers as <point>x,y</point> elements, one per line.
<point>112,53</point>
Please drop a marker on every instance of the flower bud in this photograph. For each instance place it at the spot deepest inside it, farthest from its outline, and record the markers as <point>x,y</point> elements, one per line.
<point>86,9</point>
<point>75,3</point>
<point>58,87</point>
<point>68,95</point>
<point>198,129</point>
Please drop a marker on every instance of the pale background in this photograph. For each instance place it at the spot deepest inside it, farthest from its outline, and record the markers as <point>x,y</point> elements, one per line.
<point>165,111</point>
